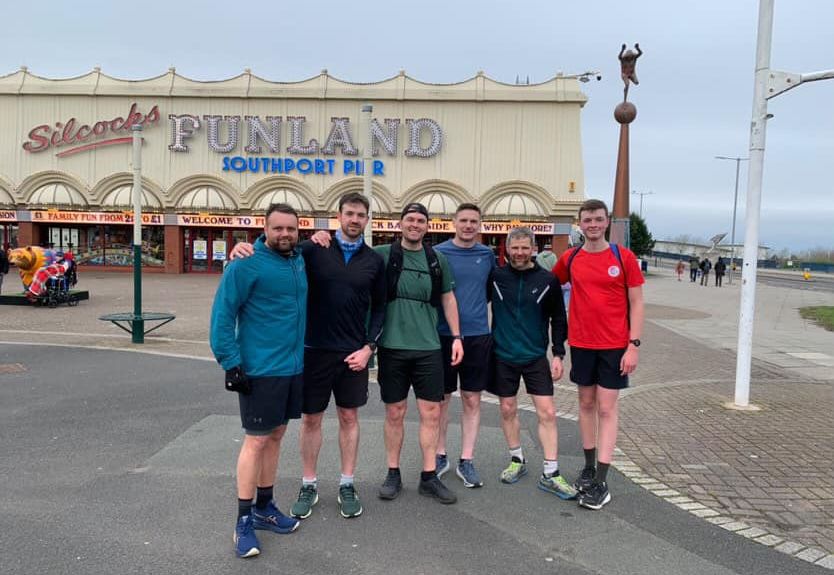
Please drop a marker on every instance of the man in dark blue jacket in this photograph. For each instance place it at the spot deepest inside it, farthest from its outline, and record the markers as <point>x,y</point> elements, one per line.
<point>526,300</point>
<point>346,279</point>
<point>257,333</point>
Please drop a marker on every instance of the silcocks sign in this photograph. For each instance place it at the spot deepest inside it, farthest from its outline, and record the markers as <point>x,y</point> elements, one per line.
<point>77,137</point>
<point>261,140</point>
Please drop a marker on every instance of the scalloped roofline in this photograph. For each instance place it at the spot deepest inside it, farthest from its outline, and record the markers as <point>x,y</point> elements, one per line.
<point>480,87</point>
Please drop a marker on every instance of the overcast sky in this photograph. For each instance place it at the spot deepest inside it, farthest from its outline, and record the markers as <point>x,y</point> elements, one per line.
<point>694,99</point>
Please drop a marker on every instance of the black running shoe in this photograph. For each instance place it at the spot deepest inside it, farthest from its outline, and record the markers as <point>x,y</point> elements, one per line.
<point>391,487</point>
<point>595,497</point>
<point>434,488</point>
<point>585,479</point>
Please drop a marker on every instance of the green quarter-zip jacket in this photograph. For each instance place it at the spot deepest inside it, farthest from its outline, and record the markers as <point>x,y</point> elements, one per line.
<point>524,303</point>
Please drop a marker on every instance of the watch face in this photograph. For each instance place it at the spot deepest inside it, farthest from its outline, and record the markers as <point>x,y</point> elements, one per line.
<point>636,342</point>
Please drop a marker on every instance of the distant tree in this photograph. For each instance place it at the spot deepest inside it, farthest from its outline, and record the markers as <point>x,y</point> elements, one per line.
<point>642,242</point>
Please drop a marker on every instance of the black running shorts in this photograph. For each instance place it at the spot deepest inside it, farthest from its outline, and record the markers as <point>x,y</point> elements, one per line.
<point>272,403</point>
<point>400,369</point>
<point>597,367</point>
<point>507,376</point>
<point>326,372</point>
<point>474,370</point>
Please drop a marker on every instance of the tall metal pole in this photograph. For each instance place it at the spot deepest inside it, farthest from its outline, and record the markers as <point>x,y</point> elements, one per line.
<point>641,194</point>
<point>138,325</point>
<point>758,130</point>
<point>368,169</point>
<point>735,205</point>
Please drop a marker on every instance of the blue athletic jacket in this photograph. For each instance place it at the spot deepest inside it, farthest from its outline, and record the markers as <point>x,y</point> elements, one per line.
<point>258,317</point>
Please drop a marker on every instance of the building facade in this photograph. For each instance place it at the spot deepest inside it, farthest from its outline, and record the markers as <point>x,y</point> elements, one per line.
<point>216,154</point>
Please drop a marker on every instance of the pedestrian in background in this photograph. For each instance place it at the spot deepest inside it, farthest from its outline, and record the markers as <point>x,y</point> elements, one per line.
<point>679,269</point>
<point>705,268</point>
<point>4,266</point>
<point>720,270</point>
<point>694,264</point>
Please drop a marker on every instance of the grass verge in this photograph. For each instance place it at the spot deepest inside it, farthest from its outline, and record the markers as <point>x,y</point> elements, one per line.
<point>822,315</point>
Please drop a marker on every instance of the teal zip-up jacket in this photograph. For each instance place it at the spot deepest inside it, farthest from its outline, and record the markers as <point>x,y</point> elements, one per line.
<point>524,303</point>
<point>259,314</point>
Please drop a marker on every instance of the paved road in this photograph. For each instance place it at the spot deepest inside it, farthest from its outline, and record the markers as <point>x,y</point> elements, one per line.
<point>122,462</point>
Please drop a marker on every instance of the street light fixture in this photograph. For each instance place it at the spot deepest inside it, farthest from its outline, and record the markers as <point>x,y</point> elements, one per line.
<point>641,194</point>
<point>735,203</point>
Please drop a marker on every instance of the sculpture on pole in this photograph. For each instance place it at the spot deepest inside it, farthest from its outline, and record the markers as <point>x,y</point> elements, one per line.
<point>624,114</point>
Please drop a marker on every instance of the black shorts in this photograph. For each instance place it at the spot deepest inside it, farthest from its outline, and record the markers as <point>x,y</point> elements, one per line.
<point>400,369</point>
<point>272,403</point>
<point>537,378</point>
<point>597,367</point>
<point>474,370</point>
<point>326,372</point>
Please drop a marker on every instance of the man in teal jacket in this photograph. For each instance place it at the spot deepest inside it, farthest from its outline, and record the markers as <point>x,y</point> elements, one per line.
<point>526,300</point>
<point>257,336</point>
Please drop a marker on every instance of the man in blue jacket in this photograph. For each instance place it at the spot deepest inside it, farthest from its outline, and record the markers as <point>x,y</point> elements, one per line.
<point>257,334</point>
<point>526,300</point>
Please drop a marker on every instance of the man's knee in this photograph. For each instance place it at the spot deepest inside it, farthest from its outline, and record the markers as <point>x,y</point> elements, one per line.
<point>395,412</point>
<point>509,408</point>
<point>348,418</point>
<point>471,400</point>
<point>429,412</point>
<point>311,422</point>
<point>546,414</point>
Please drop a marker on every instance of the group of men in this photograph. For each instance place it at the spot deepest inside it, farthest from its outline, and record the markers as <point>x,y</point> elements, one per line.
<point>425,311</point>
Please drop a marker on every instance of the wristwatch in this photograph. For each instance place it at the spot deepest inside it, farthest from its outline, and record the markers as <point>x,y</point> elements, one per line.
<point>636,342</point>
<point>460,337</point>
<point>372,345</point>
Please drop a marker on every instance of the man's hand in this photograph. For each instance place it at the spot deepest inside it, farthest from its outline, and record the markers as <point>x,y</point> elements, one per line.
<point>321,238</point>
<point>241,250</point>
<point>238,381</point>
<point>556,368</point>
<point>358,360</point>
<point>629,362</point>
<point>457,352</point>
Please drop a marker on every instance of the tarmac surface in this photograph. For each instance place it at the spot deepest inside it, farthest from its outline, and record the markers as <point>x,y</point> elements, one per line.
<point>123,461</point>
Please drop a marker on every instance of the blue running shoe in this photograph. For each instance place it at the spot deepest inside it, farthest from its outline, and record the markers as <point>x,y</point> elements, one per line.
<point>246,542</point>
<point>271,519</point>
<point>441,464</point>
<point>468,474</point>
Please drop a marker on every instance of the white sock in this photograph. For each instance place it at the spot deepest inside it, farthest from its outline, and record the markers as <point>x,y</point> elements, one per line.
<point>517,452</point>
<point>551,466</point>
<point>346,480</point>
<point>314,481</point>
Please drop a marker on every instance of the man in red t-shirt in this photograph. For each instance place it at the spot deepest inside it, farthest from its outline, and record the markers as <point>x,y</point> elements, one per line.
<point>604,325</point>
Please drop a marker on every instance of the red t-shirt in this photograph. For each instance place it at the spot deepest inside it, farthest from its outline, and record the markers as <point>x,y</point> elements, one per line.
<point>598,313</point>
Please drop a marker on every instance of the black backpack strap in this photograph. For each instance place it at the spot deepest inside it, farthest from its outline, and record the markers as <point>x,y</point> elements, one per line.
<point>394,269</point>
<point>436,275</point>
<point>570,259</point>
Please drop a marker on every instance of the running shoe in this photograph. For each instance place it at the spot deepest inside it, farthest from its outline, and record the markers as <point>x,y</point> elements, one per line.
<point>246,542</point>
<point>434,488</point>
<point>585,480</point>
<point>516,470</point>
<point>468,474</point>
<point>308,496</point>
<point>557,485</point>
<point>270,518</point>
<point>596,496</point>
<point>442,464</point>
<point>349,505</point>
<point>392,486</point>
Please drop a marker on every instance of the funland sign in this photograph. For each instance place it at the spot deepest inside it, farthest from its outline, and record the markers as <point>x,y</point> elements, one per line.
<point>224,134</point>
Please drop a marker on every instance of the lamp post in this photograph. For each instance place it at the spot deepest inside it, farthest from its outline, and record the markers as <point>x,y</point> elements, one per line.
<point>767,84</point>
<point>641,194</point>
<point>735,204</point>
<point>366,112</point>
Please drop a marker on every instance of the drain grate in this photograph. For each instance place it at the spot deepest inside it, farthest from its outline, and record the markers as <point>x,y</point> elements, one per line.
<point>12,368</point>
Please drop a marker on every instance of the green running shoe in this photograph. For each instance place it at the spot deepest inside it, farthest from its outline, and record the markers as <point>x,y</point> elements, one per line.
<point>557,485</point>
<point>308,496</point>
<point>516,470</point>
<point>349,505</point>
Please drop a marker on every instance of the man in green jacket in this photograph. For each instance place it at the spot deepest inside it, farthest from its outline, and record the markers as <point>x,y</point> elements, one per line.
<point>526,300</point>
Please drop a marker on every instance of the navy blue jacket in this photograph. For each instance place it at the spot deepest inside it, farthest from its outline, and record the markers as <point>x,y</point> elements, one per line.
<point>341,295</point>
